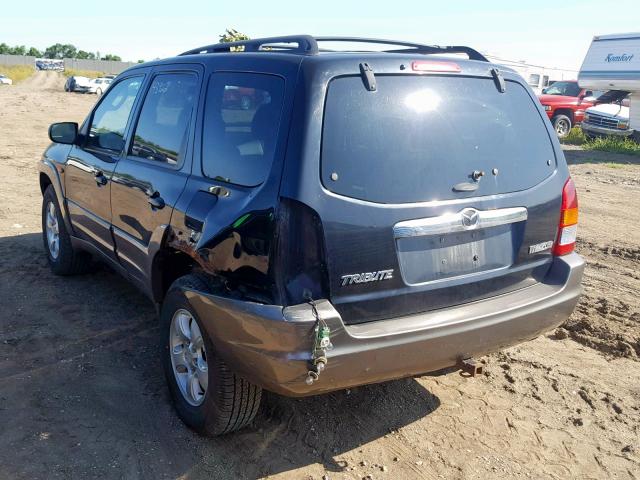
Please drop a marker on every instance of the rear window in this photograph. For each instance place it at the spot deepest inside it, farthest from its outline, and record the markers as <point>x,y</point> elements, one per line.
<point>416,137</point>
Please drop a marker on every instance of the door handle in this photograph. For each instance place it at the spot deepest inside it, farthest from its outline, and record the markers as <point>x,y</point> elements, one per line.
<point>101,180</point>
<point>156,201</point>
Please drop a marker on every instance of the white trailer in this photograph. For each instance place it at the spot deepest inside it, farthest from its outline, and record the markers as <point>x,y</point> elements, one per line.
<point>613,63</point>
<point>538,77</point>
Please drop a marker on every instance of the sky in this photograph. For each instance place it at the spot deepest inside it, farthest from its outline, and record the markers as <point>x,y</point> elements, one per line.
<point>551,33</point>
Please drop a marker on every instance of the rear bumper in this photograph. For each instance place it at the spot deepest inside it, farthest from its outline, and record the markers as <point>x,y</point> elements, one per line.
<point>271,346</point>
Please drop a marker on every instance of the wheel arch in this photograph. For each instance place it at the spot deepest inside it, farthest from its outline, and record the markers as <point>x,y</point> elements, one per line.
<point>167,266</point>
<point>49,176</point>
<point>566,112</point>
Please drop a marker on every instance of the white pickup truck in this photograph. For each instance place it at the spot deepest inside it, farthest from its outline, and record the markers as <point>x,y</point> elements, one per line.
<point>609,117</point>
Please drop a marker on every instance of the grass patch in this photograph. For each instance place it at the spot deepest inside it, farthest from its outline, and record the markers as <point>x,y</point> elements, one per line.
<point>611,144</point>
<point>17,73</point>
<point>575,137</point>
<point>615,145</point>
<point>72,72</point>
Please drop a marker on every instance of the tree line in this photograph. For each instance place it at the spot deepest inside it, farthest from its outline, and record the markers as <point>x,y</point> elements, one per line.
<point>59,51</point>
<point>56,51</point>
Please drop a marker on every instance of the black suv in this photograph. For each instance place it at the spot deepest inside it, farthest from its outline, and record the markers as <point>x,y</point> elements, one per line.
<point>363,216</point>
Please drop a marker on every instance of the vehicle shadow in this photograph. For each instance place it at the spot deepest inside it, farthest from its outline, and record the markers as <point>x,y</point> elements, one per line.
<point>292,433</point>
<point>576,156</point>
<point>82,393</point>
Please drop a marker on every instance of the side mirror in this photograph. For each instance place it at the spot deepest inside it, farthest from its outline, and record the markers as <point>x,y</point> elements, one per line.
<point>64,132</point>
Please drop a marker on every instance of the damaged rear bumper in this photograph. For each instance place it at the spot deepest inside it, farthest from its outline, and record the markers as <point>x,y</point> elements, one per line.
<point>271,346</point>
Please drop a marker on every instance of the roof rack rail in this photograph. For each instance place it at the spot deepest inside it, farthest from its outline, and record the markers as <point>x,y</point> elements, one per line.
<point>411,47</point>
<point>305,44</point>
<point>308,45</point>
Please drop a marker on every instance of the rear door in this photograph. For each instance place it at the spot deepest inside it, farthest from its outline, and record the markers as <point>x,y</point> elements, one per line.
<point>151,176</point>
<point>437,190</point>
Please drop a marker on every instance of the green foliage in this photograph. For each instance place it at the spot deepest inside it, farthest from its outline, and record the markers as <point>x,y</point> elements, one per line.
<point>575,137</point>
<point>73,72</point>
<point>615,145</point>
<point>60,51</point>
<point>57,51</point>
<point>82,55</point>
<point>17,73</point>
<point>34,52</point>
<point>18,50</point>
<point>609,143</point>
<point>232,35</point>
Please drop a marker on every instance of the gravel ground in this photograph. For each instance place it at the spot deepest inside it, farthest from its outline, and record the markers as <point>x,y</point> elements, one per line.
<point>82,393</point>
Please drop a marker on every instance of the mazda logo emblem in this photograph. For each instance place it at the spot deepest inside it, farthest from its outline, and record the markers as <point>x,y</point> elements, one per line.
<point>470,217</point>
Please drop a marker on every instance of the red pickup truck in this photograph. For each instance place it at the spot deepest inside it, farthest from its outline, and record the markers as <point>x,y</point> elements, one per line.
<point>565,103</point>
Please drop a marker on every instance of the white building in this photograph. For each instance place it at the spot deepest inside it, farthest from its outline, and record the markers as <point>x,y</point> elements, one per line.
<point>537,76</point>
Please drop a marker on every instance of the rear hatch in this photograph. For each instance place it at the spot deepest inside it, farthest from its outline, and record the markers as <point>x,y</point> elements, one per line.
<point>439,189</point>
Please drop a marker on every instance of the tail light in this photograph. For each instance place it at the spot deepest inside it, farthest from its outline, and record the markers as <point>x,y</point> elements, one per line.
<point>568,226</point>
<point>300,254</point>
<point>435,66</point>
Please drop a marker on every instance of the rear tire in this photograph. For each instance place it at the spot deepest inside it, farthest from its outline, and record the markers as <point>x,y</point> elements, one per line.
<point>562,125</point>
<point>63,258</point>
<point>223,402</point>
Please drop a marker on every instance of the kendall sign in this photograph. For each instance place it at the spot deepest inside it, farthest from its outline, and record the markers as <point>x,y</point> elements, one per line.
<point>618,58</point>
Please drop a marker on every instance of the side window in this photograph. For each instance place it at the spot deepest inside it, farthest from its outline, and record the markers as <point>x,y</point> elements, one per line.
<point>110,118</point>
<point>163,126</point>
<point>241,124</point>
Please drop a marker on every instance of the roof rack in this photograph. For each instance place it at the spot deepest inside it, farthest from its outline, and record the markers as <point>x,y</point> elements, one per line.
<point>308,45</point>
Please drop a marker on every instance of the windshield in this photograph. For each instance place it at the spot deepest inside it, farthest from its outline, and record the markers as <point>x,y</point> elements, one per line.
<point>417,136</point>
<point>569,89</point>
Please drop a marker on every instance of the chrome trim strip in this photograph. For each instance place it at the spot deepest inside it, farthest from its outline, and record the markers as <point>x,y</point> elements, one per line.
<point>453,222</point>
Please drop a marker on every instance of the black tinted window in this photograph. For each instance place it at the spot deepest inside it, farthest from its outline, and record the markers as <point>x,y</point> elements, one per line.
<point>110,118</point>
<point>162,130</point>
<point>417,136</point>
<point>241,124</point>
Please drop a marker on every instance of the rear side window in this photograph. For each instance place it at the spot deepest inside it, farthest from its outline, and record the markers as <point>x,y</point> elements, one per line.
<point>417,137</point>
<point>163,126</point>
<point>110,118</point>
<point>241,125</point>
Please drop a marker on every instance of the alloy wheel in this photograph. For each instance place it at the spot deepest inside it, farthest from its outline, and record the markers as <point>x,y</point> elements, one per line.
<point>52,231</point>
<point>188,357</point>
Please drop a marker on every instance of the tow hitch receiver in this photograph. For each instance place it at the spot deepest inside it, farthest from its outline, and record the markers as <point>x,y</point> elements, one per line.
<point>470,367</point>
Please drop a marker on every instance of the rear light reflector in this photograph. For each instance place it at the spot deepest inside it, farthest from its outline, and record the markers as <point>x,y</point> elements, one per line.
<point>433,66</point>
<point>568,226</point>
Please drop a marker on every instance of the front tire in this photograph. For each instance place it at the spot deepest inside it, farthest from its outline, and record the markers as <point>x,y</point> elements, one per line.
<point>562,125</point>
<point>208,396</point>
<point>63,258</point>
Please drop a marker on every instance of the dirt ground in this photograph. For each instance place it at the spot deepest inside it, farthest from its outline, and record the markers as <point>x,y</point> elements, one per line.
<point>82,393</point>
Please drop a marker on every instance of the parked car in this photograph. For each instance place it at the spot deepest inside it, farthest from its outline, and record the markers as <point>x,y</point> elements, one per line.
<point>611,117</point>
<point>565,102</point>
<point>77,84</point>
<point>613,62</point>
<point>4,80</point>
<point>99,85</point>
<point>338,232</point>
